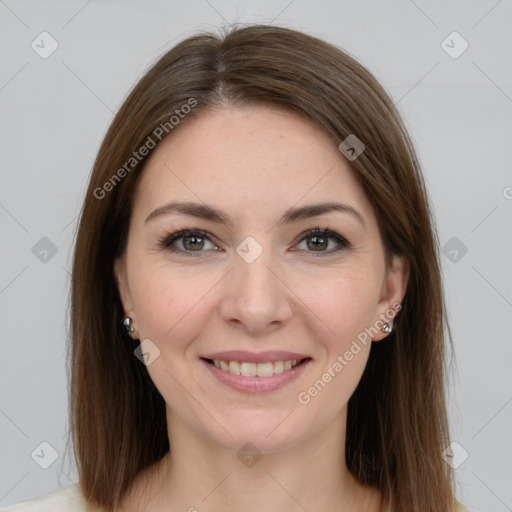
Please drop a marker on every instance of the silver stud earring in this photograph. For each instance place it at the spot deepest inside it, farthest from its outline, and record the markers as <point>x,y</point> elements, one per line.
<point>386,328</point>
<point>127,322</point>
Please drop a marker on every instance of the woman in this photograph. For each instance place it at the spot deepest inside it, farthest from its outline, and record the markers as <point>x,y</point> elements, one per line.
<point>257,311</point>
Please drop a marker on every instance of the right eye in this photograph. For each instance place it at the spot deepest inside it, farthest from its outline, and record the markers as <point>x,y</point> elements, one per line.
<point>191,241</point>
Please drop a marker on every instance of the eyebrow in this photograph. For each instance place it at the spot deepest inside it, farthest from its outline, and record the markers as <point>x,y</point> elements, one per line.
<point>206,212</point>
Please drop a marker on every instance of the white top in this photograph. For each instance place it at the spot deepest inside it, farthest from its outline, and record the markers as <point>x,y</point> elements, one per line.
<point>69,499</point>
<point>66,499</point>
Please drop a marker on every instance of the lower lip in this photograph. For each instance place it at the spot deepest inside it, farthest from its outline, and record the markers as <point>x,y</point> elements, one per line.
<point>256,384</point>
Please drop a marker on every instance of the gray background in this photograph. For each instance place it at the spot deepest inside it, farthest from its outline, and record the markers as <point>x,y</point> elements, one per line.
<point>55,111</point>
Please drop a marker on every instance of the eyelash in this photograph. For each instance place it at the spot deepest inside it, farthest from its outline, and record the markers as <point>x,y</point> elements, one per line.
<point>167,240</point>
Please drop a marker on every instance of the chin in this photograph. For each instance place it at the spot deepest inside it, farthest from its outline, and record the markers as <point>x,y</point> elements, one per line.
<point>267,432</point>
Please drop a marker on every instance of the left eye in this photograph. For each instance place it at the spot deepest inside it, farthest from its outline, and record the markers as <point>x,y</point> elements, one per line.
<point>320,240</point>
<point>193,241</point>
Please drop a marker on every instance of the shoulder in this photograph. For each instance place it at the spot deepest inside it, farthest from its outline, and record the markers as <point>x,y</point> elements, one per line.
<point>462,508</point>
<point>66,499</point>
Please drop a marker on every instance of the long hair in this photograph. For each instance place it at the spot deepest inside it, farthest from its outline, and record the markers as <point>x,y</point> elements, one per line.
<point>397,421</point>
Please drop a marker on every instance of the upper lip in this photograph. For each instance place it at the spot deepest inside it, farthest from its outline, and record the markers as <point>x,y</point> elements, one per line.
<point>255,357</point>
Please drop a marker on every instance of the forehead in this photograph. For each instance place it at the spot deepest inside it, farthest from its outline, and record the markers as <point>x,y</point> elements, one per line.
<point>248,161</point>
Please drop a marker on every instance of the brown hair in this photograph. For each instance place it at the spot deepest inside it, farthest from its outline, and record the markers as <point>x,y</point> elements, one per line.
<point>397,421</point>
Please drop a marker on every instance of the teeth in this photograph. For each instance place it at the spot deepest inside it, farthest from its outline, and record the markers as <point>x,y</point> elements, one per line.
<point>278,367</point>
<point>252,369</point>
<point>248,369</point>
<point>234,367</point>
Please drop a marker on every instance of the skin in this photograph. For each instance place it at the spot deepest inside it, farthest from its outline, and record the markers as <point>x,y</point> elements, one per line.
<point>253,163</point>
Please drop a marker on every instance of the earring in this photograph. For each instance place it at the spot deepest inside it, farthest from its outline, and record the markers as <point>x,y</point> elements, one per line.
<point>127,322</point>
<point>386,328</point>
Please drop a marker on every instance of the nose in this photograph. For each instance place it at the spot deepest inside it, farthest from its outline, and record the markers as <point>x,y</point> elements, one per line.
<point>256,297</point>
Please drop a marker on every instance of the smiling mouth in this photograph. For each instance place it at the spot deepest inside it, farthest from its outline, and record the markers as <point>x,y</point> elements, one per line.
<point>246,369</point>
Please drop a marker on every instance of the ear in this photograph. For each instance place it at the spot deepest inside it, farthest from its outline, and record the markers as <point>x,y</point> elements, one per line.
<point>392,293</point>
<point>121,278</point>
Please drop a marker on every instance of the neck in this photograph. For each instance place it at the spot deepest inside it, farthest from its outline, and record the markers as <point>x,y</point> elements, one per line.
<point>200,475</point>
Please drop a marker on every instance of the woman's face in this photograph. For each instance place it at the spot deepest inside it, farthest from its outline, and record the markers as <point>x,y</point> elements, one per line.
<point>253,279</point>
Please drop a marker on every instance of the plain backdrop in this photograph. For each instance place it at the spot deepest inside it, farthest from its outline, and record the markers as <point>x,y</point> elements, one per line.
<point>448,67</point>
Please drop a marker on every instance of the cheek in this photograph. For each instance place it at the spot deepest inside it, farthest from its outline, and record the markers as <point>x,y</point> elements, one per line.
<point>343,303</point>
<point>343,309</point>
<point>170,305</point>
